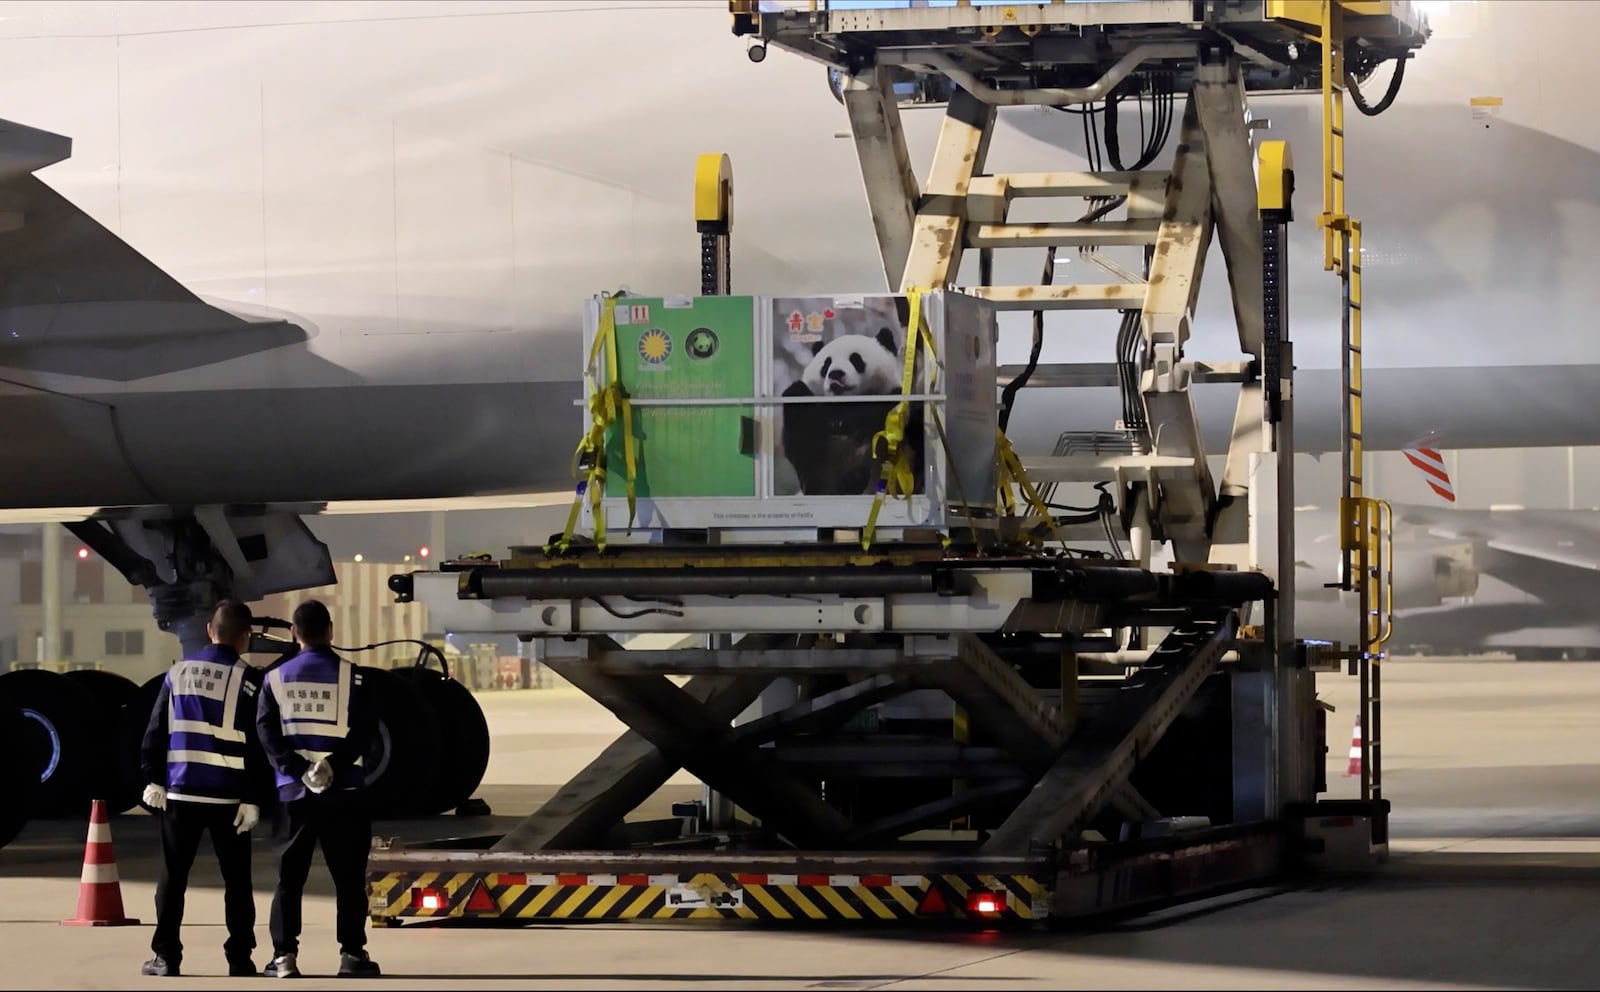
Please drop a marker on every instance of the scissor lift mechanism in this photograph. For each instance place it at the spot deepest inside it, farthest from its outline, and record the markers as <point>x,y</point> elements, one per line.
<point>1034,770</point>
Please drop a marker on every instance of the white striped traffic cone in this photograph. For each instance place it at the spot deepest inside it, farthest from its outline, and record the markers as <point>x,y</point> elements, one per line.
<point>99,890</point>
<point>1354,768</point>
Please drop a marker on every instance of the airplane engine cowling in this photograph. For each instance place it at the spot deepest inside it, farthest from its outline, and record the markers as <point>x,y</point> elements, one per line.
<point>1427,578</point>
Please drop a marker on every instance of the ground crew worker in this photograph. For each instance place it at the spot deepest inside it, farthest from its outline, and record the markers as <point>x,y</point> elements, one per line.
<point>207,774</point>
<point>316,722</point>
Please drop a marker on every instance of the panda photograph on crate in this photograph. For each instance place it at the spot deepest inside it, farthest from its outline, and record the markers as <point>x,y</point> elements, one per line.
<point>849,353</point>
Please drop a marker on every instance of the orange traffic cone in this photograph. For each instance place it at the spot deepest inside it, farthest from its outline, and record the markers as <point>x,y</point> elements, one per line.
<point>99,891</point>
<point>1354,768</point>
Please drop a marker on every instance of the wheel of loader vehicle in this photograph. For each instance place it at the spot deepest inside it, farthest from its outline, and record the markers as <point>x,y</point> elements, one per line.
<point>58,747</point>
<point>17,776</point>
<point>463,739</point>
<point>109,693</point>
<point>131,722</point>
<point>402,763</point>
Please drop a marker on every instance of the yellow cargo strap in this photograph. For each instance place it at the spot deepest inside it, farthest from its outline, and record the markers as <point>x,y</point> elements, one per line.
<point>604,403</point>
<point>1011,470</point>
<point>897,479</point>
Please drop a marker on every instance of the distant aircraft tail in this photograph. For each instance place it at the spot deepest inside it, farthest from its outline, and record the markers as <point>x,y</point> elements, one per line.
<point>1424,454</point>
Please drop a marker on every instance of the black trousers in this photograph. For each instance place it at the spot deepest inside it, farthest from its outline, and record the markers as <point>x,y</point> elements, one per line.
<point>182,824</point>
<point>342,826</point>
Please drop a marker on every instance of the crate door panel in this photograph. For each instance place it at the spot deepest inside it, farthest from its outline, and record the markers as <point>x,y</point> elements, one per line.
<point>701,352</point>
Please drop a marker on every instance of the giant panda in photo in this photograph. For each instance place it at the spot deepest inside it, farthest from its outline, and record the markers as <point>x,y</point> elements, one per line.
<point>830,444</point>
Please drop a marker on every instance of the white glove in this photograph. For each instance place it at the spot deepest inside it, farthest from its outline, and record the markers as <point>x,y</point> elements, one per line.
<point>319,776</point>
<point>155,796</point>
<point>247,817</point>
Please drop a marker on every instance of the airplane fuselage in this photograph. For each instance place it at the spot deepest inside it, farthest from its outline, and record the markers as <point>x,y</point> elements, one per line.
<point>424,194</point>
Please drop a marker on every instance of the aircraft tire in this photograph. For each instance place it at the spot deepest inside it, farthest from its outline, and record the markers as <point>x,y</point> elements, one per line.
<point>463,741</point>
<point>131,723</point>
<point>109,693</point>
<point>402,762</point>
<point>58,746</point>
<point>18,778</point>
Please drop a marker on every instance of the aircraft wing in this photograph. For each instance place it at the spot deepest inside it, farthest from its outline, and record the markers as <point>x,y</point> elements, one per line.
<point>1557,537</point>
<point>501,501</point>
<point>75,299</point>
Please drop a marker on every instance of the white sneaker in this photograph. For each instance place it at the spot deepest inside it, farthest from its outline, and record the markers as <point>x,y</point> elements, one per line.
<point>282,966</point>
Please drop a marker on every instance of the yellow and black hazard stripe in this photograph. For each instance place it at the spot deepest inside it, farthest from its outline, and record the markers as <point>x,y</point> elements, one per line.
<point>397,896</point>
<point>1027,896</point>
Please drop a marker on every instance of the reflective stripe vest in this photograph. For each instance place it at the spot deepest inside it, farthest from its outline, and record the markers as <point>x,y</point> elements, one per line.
<point>312,691</point>
<point>210,709</point>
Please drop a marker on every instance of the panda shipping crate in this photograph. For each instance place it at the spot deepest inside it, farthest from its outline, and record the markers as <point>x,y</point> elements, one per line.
<point>757,413</point>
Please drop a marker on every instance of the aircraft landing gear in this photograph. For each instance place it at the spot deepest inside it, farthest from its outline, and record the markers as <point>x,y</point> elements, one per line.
<point>189,560</point>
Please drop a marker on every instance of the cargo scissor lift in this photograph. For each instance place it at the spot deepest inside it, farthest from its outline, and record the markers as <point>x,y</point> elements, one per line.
<point>916,736</point>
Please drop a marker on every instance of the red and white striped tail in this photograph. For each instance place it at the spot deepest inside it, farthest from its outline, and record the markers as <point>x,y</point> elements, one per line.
<point>1430,463</point>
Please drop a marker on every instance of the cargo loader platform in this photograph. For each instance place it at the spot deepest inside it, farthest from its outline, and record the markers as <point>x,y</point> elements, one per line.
<point>949,806</point>
<point>890,691</point>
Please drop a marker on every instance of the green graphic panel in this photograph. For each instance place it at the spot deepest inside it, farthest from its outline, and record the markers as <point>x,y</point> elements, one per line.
<point>703,351</point>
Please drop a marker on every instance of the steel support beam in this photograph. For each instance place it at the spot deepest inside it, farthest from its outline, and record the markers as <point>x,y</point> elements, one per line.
<point>932,758</point>
<point>1089,296</point>
<point>897,825</point>
<point>939,235</point>
<point>916,19</point>
<point>681,728</point>
<point>776,661</point>
<point>632,768</point>
<point>989,197</point>
<point>1063,235</point>
<point>1230,530</point>
<point>1001,703</point>
<point>1132,804</point>
<point>1097,766</point>
<point>1297,687</point>
<point>819,714</point>
<point>1104,374</point>
<point>891,184</point>
<point>1183,510</point>
<point>1219,98</point>
<point>623,776</point>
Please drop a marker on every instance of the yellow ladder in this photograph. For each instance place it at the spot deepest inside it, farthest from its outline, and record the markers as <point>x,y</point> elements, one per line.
<point>1341,242</point>
<point>1353,451</point>
<point>1372,534</point>
<point>1333,220</point>
<point>1366,534</point>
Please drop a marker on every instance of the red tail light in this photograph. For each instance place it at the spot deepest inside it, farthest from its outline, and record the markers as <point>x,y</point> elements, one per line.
<point>982,903</point>
<point>429,899</point>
